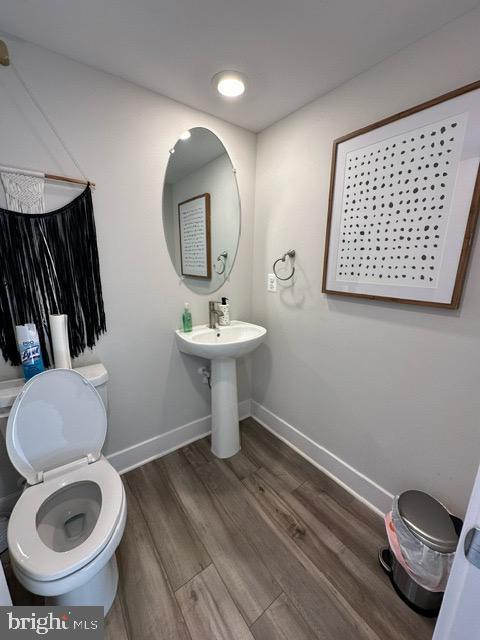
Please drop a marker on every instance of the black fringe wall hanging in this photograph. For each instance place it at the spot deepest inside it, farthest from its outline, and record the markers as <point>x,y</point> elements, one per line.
<point>49,264</point>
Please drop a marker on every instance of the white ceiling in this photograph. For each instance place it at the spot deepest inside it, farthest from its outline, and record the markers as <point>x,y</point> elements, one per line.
<point>291,50</point>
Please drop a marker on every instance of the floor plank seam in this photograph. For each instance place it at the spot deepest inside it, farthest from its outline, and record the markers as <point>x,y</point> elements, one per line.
<point>162,569</point>
<point>302,553</point>
<point>233,599</point>
<point>308,564</point>
<point>181,507</point>
<point>194,576</point>
<point>225,514</point>
<point>124,616</point>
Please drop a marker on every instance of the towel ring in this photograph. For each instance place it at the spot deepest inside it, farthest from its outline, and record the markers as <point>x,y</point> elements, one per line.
<point>290,254</point>
<point>222,258</point>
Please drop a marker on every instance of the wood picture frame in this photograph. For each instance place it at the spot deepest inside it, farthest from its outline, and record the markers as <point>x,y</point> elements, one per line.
<point>423,133</point>
<point>194,220</point>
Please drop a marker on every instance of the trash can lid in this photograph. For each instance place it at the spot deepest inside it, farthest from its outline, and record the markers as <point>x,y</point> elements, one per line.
<point>428,520</point>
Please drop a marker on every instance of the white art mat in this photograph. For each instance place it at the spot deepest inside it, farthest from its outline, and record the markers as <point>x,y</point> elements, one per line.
<point>193,237</point>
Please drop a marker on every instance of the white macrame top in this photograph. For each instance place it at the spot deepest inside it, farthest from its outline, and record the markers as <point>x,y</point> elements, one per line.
<point>24,193</point>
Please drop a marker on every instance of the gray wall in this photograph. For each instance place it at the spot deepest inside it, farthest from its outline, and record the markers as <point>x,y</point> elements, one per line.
<point>121,135</point>
<point>390,389</point>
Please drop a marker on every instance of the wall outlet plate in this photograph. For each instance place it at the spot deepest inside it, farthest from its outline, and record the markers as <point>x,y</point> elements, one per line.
<point>271,283</point>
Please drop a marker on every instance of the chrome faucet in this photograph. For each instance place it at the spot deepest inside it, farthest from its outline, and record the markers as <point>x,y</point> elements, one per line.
<point>213,313</point>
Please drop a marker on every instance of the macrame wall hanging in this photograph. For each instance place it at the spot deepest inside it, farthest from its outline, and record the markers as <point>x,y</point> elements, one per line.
<point>48,260</point>
<point>24,193</point>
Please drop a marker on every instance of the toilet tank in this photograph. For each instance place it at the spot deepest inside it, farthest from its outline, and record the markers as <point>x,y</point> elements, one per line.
<point>96,374</point>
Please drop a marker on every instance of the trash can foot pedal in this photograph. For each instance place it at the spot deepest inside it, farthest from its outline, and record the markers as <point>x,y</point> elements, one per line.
<point>385,560</point>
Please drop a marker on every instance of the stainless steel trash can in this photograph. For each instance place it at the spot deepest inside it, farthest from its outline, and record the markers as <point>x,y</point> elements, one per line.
<point>429,521</point>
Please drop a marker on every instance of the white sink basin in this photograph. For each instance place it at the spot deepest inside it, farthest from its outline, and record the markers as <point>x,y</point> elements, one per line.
<point>233,341</point>
<point>222,346</point>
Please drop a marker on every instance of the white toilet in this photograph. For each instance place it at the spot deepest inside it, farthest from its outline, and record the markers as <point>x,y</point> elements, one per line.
<point>68,522</point>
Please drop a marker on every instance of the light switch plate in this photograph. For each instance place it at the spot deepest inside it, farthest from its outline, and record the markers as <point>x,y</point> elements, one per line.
<point>271,283</point>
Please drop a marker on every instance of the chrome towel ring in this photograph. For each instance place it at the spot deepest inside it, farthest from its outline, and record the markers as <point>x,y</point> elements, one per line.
<point>291,254</point>
<point>222,258</point>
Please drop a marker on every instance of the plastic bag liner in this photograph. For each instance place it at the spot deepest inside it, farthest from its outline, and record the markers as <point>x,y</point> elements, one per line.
<point>429,568</point>
<point>393,541</point>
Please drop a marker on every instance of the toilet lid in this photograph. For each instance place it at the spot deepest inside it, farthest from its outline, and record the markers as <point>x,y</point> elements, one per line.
<point>56,419</point>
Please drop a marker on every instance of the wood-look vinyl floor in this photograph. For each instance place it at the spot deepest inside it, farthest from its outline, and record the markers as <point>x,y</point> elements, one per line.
<point>262,546</point>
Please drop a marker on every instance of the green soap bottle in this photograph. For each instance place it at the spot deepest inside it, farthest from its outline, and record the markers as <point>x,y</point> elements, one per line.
<point>187,318</point>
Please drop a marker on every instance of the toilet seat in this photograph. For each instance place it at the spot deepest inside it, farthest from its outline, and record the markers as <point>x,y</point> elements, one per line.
<point>34,557</point>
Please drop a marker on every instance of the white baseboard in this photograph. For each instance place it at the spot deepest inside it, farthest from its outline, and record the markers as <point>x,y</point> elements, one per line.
<point>359,485</point>
<point>158,446</point>
<point>355,482</point>
<point>245,409</point>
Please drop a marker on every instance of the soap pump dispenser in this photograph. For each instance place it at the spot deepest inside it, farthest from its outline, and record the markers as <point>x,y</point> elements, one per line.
<point>224,320</point>
<point>187,318</point>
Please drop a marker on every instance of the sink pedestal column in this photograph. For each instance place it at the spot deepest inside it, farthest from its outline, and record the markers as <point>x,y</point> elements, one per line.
<point>225,427</point>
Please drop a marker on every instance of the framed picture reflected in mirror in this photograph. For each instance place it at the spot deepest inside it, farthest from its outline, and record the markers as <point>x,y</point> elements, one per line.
<point>195,240</point>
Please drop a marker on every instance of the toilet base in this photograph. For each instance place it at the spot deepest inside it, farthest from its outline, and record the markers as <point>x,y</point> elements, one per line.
<point>94,584</point>
<point>99,590</point>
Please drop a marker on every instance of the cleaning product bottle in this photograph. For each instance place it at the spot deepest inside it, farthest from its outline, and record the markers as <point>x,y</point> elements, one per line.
<point>187,318</point>
<point>224,320</point>
<point>29,349</point>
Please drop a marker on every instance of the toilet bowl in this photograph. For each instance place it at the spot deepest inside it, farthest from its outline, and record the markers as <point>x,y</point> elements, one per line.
<point>69,520</point>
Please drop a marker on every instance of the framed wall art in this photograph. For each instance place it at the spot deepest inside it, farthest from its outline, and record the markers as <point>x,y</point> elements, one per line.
<point>403,205</point>
<point>195,236</point>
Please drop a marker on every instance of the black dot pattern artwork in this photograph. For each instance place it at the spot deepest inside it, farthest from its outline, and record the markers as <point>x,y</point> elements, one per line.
<point>395,206</point>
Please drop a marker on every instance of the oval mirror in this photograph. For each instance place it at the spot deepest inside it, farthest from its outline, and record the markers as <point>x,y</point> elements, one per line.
<point>201,210</point>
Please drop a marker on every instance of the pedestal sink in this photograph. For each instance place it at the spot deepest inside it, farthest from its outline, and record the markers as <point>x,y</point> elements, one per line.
<point>222,346</point>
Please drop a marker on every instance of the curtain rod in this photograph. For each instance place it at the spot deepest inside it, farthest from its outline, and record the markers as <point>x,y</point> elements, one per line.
<point>48,176</point>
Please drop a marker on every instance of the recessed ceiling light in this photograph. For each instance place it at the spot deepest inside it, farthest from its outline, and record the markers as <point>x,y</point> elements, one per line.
<point>230,84</point>
<point>186,135</point>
